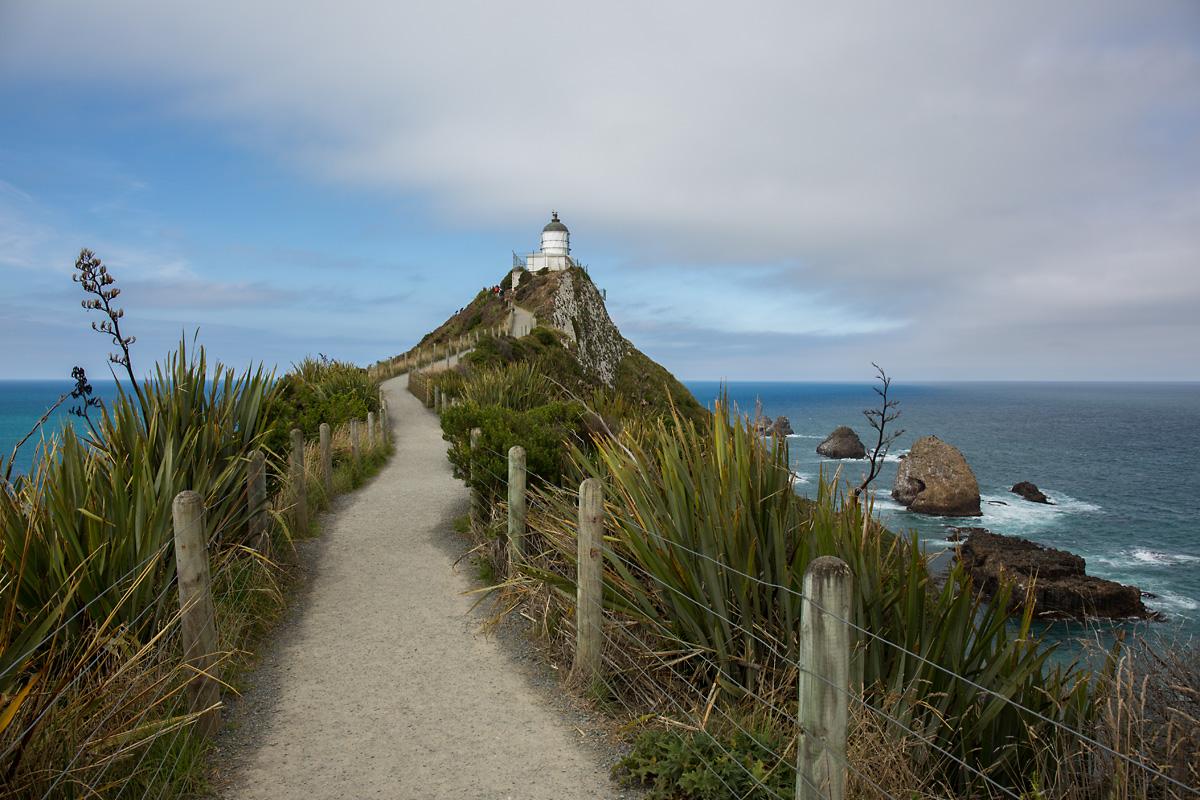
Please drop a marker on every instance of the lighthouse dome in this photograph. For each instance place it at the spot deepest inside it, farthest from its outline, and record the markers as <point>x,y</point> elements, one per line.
<point>556,239</point>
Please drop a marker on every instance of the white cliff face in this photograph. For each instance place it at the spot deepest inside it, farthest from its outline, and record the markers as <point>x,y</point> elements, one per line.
<point>579,311</point>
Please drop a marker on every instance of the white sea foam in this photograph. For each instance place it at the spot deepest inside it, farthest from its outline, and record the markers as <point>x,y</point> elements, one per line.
<point>1170,601</point>
<point>1145,557</point>
<point>1009,514</point>
<point>803,436</point>
<point>1157,557</point>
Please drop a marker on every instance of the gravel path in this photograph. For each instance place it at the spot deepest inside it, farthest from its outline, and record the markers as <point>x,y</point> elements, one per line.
<point>379,685</point>
<point>522,322</point>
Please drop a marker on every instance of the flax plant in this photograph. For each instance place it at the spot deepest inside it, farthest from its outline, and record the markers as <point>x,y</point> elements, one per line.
<point>517,386</point>
<point>706,545</point>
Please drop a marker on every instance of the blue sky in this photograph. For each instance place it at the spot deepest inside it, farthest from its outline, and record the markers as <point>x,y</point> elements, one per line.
<point>776,191</point>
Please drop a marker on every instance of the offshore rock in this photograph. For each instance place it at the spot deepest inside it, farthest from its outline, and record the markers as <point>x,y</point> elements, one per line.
<point>842,443</point>
<point>782,426</point>
<point>934,479</point>
<point>765,426</point>
<point>1054,581</point>
<point>1030,492</point>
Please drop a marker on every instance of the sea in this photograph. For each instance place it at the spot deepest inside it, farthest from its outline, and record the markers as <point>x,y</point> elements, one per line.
<point>23,403</point>
<point>1118,461</point>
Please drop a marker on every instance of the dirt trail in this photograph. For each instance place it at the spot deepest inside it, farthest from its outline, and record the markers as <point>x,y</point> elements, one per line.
<point>380,686</point>
<point>522,322</point>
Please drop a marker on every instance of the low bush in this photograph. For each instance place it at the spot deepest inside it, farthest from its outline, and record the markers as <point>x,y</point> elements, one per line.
<point>699,766</point>
<point>545,432</point>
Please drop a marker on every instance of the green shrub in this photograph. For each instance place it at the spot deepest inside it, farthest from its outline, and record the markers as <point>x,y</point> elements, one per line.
<point>546,432</point>
<point>320,390</point>
<point>701,767</point>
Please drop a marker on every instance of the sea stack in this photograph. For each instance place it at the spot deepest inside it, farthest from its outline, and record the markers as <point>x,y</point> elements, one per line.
<point>934,479</point>
<point>842,443</point>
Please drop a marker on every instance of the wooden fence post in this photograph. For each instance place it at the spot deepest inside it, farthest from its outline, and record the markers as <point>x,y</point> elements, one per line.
<point>385,426</point>
<point>370,430</point>
<point>589,611</point>
<point>256,501</point>
<point>516,504</point>
<point>437,399</point>
<point>824,681</point>
<point>326,459</point>
<point>476,497</point>
<point>299,484</point>
<point>195,602</point>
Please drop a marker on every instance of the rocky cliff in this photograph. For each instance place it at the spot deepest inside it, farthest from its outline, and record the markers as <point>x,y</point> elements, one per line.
<point>569,302</point>
<point>577,308</point>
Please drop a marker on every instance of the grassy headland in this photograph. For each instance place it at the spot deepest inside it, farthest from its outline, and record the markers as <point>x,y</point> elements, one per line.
<point>706,542</point>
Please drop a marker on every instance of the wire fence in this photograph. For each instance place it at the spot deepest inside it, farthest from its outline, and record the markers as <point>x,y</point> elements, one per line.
<point>113,690</point>
<point>665,678</point>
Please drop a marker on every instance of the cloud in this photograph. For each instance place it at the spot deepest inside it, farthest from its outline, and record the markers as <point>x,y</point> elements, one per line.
<point>953,172</point>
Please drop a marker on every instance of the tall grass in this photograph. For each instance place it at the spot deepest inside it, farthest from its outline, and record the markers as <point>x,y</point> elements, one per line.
<point>706,547</point>
<point>518,386</point>
<point>88,554</point>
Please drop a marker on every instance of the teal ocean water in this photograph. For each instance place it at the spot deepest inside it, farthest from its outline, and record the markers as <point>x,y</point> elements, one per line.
<point>22,404</point>
<point>1118,461</point>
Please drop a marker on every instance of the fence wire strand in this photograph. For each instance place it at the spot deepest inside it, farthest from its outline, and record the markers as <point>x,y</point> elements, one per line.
<point>539,503</point>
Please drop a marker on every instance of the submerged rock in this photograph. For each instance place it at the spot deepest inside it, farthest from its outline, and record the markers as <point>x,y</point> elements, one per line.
<point>960,534</point>
<point>1030,492</point>
<point>1054,581</point>
<point>934,479</point>
<point>842,443</point>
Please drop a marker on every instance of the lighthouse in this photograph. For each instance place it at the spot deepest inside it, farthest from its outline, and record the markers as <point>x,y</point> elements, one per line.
<point>555,251</point>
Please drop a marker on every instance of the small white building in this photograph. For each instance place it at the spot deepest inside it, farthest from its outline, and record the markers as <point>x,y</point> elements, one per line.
<point>555,253</point>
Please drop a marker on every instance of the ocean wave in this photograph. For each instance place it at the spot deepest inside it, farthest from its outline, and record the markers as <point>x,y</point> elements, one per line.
<point>1009,514</point>
<point>1145,557</point>
<point>1170,601</point>
<point>803,436</point>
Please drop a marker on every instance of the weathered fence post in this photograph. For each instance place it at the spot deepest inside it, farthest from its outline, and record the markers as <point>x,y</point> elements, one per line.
<point>476,497</point>
<point>256,501</point>
<point>589,616</point>
<point>195,602</point>
<point>437,399</point>
<point>370,430</point>
<point>326,459</point>
<point>516,504</point>
<point>354,440</point>
<point>824,681</point>
<point>385,427</point>
<point>299,484</point>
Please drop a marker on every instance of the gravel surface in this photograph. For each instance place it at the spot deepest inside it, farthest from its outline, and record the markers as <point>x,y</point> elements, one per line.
<point>378,684</point>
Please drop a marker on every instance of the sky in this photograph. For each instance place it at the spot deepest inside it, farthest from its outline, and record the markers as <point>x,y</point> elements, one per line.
<point>766,190</point>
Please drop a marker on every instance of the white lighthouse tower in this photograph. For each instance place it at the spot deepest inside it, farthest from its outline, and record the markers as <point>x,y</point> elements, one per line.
<point>555,253</point>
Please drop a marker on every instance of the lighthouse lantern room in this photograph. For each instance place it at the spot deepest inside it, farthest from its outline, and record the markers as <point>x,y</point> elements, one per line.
<point>555,252</point>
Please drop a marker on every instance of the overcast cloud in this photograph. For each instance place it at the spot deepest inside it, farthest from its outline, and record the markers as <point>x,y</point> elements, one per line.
<point>767,190</point>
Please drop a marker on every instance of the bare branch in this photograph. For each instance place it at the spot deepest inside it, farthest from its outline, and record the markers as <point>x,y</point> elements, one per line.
<point>879,418</point>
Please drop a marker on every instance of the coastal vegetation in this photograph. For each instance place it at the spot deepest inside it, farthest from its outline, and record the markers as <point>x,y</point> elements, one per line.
<point>91,666</point>
<point>705,543</point>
